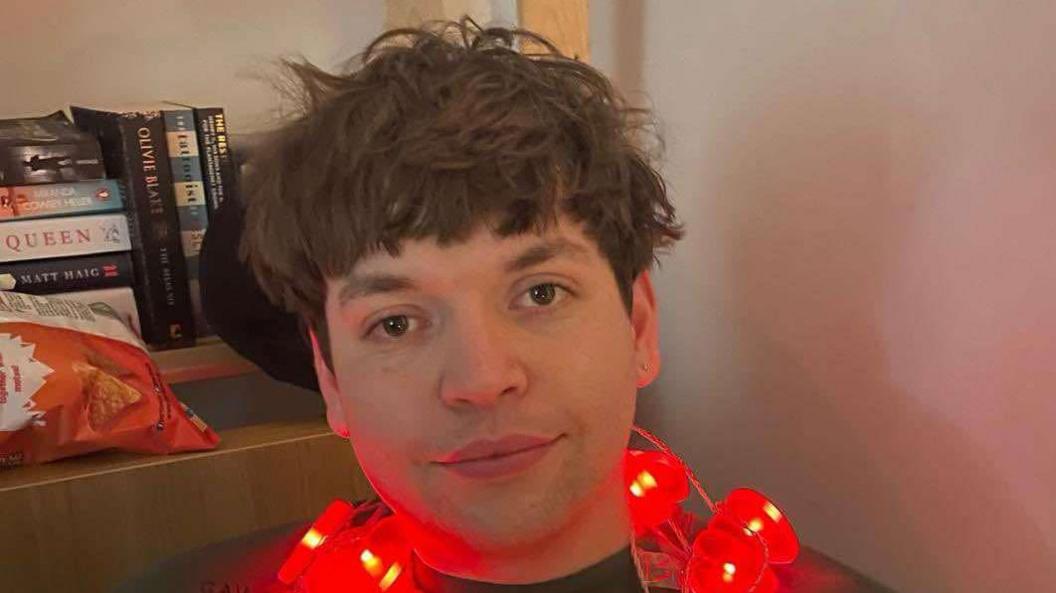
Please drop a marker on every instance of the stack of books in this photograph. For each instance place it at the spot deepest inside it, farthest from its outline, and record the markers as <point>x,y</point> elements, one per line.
<point>126,230</point>
<point>62,227</point>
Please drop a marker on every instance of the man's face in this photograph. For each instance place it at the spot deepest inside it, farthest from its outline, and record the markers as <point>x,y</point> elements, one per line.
<point>488,387</point>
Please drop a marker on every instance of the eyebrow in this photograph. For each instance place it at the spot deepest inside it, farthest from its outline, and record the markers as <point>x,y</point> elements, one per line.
<point>358,286</point>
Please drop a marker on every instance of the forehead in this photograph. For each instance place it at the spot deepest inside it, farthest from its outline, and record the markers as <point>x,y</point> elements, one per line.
<point>424,261</point>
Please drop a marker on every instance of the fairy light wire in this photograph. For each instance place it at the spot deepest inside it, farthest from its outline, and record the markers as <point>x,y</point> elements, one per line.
<point>659,444</point>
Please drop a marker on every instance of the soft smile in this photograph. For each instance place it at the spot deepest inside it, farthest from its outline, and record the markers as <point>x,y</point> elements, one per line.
<point>492,459</point>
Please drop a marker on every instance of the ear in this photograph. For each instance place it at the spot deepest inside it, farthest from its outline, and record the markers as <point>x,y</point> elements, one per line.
<point>335,414</point>
<point>645,322</point>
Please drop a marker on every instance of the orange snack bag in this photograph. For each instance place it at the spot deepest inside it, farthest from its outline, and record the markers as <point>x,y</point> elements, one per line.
<point>74,379</point>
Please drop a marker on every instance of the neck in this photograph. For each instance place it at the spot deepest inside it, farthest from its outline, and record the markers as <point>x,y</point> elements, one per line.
<point>595,532</point>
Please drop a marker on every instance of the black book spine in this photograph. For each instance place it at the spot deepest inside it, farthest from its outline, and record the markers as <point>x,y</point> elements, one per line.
<point>218,164</point>
<point>68,274</point>
<point>135,151</point>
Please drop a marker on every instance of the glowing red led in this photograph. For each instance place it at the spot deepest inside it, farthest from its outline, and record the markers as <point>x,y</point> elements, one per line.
<point>761,516</point>
<point>745,535</point>
<point>333,517</point>
<point>656,484</point>
<point>375,563</point>
<point>725,562</point>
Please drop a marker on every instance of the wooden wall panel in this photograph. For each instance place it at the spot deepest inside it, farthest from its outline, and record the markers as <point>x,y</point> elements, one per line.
<point>565,22</point>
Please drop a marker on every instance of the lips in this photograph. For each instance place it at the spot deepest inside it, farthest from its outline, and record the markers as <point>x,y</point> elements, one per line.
<point>487,449</point>
<point>484,461</point>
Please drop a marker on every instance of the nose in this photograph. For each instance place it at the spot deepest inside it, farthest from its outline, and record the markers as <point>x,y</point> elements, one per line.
<point>481,364</point>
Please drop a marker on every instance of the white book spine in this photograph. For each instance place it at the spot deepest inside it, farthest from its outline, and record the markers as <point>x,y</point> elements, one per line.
<point>62,237</point>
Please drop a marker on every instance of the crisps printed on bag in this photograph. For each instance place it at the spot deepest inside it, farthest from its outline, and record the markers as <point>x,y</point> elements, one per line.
<point>74,379</point>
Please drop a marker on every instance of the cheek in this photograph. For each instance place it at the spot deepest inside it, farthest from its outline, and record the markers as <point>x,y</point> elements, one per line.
<point>385,433</point>
<point>599,392</point>
<point>373,387</point>
<point>382,465</point>
<point>390,404</point>
<point>384,412</point>
<point>602,367</point>
<point>388,440</point>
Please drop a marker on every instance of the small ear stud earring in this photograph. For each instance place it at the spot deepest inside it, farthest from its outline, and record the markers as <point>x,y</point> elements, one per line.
<point>645,366</point>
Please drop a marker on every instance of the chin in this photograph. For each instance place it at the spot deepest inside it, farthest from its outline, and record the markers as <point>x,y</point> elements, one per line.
<point>497,525</point>
<point>505,535</point>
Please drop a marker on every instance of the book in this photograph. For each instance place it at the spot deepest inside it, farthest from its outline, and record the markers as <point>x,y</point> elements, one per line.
<point>43,238</point>
<point>119,303</point>
<point>67,274</point>
<point>189,190</point>
<point>218,165</point>
<point>135,151</point>
<point>47,149</point>
<point>61,199</point>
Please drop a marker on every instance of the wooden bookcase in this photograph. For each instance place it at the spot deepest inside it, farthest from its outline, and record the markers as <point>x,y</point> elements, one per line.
<point>87,523</point>
<point>210,359</point>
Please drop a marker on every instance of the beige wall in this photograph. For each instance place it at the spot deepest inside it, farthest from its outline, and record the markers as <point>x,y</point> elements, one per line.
<point>861,320</point>
<point>118,52</point>
<point>121,53</point>
<point>403,13</point>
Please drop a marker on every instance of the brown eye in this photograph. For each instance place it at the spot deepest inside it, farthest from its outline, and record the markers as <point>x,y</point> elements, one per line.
<point>395,326</point>
<point>543,294</point>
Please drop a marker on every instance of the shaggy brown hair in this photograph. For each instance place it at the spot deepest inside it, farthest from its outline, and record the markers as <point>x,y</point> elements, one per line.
<point>432,132</point>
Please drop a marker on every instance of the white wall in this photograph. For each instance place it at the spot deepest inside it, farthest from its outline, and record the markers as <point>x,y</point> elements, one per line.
<point>861,321</point>
<point>121,52</point>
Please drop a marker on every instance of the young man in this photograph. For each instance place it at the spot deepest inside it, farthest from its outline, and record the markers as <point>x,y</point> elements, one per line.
<point>466,228</point>
<point>467,231</point>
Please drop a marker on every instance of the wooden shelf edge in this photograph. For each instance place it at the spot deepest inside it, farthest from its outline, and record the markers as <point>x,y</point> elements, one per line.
<point>210,359</point>
<point>106,462</point>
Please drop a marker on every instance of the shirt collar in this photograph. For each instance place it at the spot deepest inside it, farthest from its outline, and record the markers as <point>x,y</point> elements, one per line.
<point>615,574</point>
